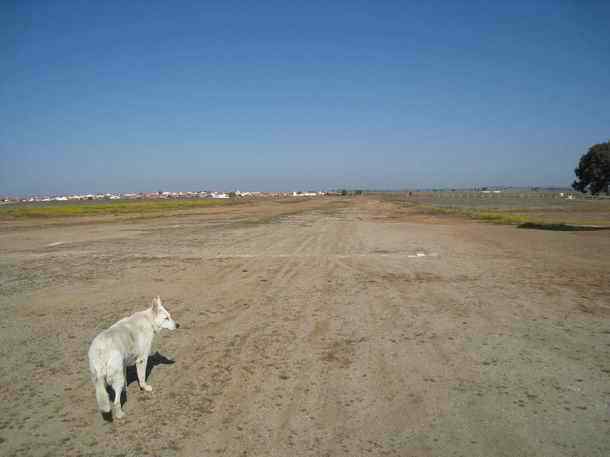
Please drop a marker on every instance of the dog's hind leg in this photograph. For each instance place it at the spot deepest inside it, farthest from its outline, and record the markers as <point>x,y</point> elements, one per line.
<point>103,402</point>
<point>117,379</point>
<point>118,384</point>
<point>141,369</point>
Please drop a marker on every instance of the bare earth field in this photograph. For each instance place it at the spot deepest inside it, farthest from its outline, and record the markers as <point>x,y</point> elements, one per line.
<point>310,328</point>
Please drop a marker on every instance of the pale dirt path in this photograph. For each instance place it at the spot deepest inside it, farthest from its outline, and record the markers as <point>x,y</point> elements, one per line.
<point>315,334</point>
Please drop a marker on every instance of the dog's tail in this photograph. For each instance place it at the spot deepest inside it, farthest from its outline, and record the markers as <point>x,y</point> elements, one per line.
<point>101,394</point>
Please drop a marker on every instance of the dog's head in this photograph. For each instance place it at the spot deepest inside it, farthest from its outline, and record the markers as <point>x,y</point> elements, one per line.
<point>162,318</point>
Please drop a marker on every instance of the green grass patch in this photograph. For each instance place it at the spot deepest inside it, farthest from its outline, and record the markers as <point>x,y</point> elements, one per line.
<point>562,227</point>
<point>495,217</point>
<point>121,207</point>
<point>511,218</point>
<point>500,218</point>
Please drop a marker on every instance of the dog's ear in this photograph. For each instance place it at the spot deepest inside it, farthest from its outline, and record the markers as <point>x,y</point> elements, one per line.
<point>156,303</point>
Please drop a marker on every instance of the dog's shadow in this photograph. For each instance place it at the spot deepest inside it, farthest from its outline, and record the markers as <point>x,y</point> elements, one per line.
<point>132,376</point>
<point>153,361</point>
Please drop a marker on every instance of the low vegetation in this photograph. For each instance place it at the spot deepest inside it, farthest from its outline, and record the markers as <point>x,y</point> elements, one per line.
<point>496,217</point>
<point>551,219</point>
<point>123,207</point>
<point>548,210</point>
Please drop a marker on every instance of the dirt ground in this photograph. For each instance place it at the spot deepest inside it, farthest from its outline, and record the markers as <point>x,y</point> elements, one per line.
<point>328,327</point>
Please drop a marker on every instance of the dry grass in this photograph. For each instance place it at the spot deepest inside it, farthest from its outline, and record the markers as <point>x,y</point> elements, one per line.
<point>123,207</point>
<point>495,217</point>
<point>527,210</point>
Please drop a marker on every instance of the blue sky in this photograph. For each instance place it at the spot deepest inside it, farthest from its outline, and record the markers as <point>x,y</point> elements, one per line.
<point>122,96</point>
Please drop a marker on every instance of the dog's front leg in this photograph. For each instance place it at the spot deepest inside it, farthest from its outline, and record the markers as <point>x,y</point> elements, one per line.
<point>141,369</point>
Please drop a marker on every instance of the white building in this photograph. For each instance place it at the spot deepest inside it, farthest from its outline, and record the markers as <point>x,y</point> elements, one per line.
<point>219,195</point>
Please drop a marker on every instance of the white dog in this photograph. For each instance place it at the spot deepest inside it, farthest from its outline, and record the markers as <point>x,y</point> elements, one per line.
<point>126,343</point>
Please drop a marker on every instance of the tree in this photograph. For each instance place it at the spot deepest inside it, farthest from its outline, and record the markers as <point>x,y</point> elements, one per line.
<point>593,170</point>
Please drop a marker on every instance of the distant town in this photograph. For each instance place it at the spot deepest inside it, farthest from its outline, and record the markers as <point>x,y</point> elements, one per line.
<point>156,195</point>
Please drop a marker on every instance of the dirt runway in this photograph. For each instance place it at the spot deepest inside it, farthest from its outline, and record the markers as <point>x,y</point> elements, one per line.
<point>328,327</point>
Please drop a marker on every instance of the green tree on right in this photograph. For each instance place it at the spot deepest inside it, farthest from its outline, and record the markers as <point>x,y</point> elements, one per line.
<point>593,172</point>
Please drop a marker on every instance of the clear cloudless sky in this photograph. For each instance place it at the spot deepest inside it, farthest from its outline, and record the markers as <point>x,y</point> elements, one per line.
<point>100,96</point>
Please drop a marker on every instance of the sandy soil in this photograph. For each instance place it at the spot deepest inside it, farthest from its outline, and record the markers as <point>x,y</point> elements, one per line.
<point>311,329</point>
